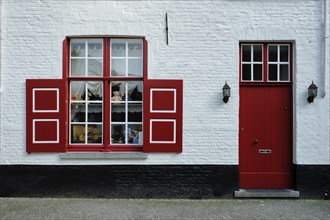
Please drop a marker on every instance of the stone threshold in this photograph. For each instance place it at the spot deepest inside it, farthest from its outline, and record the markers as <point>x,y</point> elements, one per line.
<point>266,193</point>
<point>103,155</point>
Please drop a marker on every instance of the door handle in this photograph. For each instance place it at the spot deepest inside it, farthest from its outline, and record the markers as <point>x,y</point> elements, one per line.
<point>256,141</point>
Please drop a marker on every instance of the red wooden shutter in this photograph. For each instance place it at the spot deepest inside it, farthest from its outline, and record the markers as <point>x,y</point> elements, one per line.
<point>162,116</point>
<point>45,115</point>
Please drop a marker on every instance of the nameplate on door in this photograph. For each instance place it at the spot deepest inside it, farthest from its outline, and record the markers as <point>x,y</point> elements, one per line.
<point>265,151</point>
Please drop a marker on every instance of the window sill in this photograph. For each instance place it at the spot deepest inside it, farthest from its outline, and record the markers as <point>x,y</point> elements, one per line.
<point>101,155</point>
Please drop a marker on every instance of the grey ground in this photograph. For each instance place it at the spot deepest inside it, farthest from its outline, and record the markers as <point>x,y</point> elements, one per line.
<point>68,208</point>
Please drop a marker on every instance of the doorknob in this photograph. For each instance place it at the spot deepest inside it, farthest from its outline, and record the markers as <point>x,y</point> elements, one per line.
<point>256,141</point>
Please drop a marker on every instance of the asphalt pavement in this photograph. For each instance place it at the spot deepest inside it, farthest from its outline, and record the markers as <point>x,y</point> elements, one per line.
<point>99,209</point>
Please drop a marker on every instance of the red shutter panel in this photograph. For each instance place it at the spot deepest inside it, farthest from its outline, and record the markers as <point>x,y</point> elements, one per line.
<point>162,116</point>
<point>45,115</point>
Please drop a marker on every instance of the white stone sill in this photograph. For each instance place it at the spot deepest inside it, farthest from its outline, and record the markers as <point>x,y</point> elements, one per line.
<point>103,155</point>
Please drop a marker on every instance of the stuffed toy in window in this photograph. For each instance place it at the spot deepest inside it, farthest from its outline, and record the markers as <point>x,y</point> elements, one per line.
<point>116,96</point>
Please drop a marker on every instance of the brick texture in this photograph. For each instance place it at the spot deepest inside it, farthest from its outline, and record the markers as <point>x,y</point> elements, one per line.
<point>194,182</point>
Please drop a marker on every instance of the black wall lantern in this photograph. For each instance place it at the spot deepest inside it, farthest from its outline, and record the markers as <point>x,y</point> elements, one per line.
<point>312,92</point>
<point>226,92</point>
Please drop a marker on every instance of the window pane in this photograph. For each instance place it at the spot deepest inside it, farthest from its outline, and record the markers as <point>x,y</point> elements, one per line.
<point>94,134</point>
<point>78,67</point>
<point>246,52</point>
<point>118,112</point>
<point>78,112</point>
<point>272,72</point>
<point>78,134</point>
<point>135,48</point>
<point>118,134</point>
<point>284,53</point>
<point>135,113</point>
<point>118,49</point>
<point>257,53</point>
<point>95,92</point>
<point>118,90</point>
<point>78,48</point>
<point>135,67</point>
<point>134,91</point>
<point>118,67</point>
<point>246,72</point>
<point>95,48</point>
<point>284,72</point>
<point>94,112</point>
<point>94,67</point>
<point>135,134</point>
<point>78,89</point>
<point>272,53</point>
<point>257,72</point>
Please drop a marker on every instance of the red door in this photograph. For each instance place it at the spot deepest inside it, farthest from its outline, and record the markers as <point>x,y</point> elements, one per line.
<point>265,137</point>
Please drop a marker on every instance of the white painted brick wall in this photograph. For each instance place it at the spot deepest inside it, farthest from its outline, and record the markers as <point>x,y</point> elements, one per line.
<point>202,50</point>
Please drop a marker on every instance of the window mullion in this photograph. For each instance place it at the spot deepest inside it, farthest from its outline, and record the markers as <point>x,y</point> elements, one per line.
<point>126,114</point>
<point>86,58</point>
<point>86,112</point>
<point>126,59</point>
<point>265,62</point>
<point>278,62</point>
<point>252,76</point>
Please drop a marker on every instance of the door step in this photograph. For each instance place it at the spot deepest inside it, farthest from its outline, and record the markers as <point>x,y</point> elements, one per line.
<point>266,193</point>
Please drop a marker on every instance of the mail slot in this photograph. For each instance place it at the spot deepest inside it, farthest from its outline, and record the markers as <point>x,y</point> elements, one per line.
<point>265,151</point>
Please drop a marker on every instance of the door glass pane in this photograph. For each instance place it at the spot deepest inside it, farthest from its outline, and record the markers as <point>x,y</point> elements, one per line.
<point>95,92</point>
<point>135,67</point>
<point>78,111</point>
<point>284,53</point>
<point>118,67</point>
<point>246,72</point>
<point>135,134</point>
<point>78,67</point>
<point>257,53</point>
<point>78,133</point>
<point>257,72</point>
<point>78,89</point>
<point>246,52</point>
<point>95,48</point>
<point>272,72</point>
<point>118,134</point>
<point>284,72</point>
<point>272,53</point>
<point>78,48</point>
<point>135,48</point>
<point>94,67</point>
<point>94,134</point>
<point>135,113</point>
<point>118,48</point>
<point>94,112</point>
<point>118,112</point>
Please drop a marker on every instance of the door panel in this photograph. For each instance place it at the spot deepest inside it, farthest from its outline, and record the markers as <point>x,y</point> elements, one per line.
<point>265,137</point>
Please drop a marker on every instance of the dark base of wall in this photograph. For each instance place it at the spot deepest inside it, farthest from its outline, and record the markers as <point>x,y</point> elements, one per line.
<point>156,181</point>
<point>313,181</point>
<point>193,182</point>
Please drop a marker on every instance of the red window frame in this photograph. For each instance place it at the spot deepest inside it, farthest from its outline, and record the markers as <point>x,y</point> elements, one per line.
<point>107,79</point>
<point>265,63</point>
